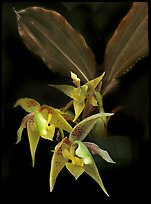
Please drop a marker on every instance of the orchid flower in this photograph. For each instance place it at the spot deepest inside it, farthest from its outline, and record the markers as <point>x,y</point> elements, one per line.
<point>80,93</point>
<point>41,122</point>
<point>76,155</point>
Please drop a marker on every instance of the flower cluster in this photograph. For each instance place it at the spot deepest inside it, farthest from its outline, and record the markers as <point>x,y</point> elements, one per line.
<point>72,151</point>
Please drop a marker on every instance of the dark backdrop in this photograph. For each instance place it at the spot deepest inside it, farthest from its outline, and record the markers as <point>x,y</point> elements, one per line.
<point>25,75</point>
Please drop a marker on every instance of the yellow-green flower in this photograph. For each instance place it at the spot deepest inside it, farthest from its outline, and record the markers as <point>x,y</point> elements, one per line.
<point>77,159</point>
<point>40,122</point>
<point>76,155</point>
<point>80,93</point>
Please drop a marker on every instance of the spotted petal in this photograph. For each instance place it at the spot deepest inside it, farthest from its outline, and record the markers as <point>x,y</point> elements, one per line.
<point>28,104</point>
<point>95,149</point>
<point>56,118</point>
<point>33,137</point>
<point>58,161</point>
<point>22,126</point>
<point>82,129</point>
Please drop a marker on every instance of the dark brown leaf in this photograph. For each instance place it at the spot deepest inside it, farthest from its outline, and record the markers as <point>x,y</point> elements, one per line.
<point>50,36</point>
<point>128,44</point>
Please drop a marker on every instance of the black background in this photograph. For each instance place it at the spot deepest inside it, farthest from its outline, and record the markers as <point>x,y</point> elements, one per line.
<point>25,75</point>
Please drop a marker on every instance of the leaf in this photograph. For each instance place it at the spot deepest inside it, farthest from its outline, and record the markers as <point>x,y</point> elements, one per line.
<point>95,149</point>
<point>82,129</point>
<point>128,44</point>
<point>51,37</point>
<point>28,104</point>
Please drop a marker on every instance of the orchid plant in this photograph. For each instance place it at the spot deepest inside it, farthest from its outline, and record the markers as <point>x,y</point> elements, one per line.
<point>41,121</point>
<point>48,34</point>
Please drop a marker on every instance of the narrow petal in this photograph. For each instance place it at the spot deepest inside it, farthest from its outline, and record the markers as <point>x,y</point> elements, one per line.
<point>82,129</point>
<point>33,137</point>
<point>65,108</point>
<point>22,126</point>
<point>58,161</point>
<point>75,170</point>
<point>90,166</point>
<point>49,133</point>
<point>93,83</point>
<point>28,104</point>
<point>95,149</point>
<point>59,121</point>
<point>66,89</point>
<point>78,107</point>
<point>91,170</point>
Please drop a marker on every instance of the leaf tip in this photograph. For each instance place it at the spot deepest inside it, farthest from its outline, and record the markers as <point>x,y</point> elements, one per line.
<point>17,13</point>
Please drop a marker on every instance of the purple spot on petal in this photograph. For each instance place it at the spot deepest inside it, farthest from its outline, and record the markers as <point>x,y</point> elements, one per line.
<point>78,131</point>
<point>59,151</point>
<point>58,163</point>
<point>31,103</point>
